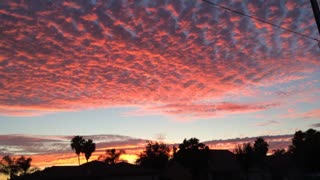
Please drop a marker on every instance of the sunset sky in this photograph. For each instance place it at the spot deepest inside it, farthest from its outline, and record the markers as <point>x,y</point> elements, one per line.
<point>122,72</point>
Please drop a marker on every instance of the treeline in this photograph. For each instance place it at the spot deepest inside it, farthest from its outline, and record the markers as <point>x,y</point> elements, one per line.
<point>191,154</point>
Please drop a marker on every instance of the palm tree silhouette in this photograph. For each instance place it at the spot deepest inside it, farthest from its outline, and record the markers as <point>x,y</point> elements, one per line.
<point>88,148</point>
<point>77,145</point>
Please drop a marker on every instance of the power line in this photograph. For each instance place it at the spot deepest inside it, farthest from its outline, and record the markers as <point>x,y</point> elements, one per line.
<point>257,19</point>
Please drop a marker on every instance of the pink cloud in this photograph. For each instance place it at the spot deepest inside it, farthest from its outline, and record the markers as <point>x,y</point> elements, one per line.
<point>291,5</point>
<point>196,111</point>
<point>311,114</point>
<point>267,123</point>
<point>90,17</point>
<point>71,4</point>
<point>65,57</point>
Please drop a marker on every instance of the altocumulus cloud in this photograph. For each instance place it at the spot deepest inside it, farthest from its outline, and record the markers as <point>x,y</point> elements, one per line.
<point>163,55</point>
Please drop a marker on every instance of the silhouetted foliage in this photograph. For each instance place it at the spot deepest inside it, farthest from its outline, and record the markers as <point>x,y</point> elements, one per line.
<point>155,155</point>
<point>88,148</point>
<point>248,155</point>
<point>260,148</point>
<point>77,145</point>
<point>112,156</point>
<point>24,164</point>
<point>245,155</point>
<point>13,167</point>
<point>305,149</point>
<point>191,144</point>
<point>193,155</point>
<point>9,167</point>
<point>279,152</point>
<point>80,145</point>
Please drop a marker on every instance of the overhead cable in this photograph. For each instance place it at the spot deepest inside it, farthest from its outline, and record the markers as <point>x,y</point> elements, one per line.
<point>261,20</point>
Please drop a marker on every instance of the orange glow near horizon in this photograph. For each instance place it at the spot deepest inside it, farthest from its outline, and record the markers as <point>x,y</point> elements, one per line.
<point>131,154</point>
<point>70,159</point>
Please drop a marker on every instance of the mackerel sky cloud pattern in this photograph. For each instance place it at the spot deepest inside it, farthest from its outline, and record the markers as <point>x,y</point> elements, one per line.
<point>170,57</point>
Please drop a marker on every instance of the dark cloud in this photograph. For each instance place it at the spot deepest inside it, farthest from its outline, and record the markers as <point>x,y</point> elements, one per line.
<point>316,125</point>
<point>33,144</point>
<point>275,142</point>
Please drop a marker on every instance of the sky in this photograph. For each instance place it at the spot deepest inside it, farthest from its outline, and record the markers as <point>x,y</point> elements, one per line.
<point>122,72</point>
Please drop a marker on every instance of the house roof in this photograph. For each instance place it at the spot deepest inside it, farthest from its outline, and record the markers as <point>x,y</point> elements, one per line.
<point>280,163</point>
<point>92,169</point>
<point>223,160</point>
<point>175,171</point>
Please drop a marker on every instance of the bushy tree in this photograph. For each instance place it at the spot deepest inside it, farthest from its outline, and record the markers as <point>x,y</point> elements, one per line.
<point>260,148</point>
<point>13,167</point>
<point>249,155</point>
<point>155,155</point>
<point>245,155</point>
<point>193,155</point>
<point>305,149</point>
<point>279,152</point>
<point>191,144</point>
<point>24,164</point>
<point>9,167</point>
<point>112,156</point>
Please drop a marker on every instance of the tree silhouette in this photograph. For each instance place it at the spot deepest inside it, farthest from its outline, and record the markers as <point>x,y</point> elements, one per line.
<point>245,155</point>
<point>112,156</point>
<point>248,155</point>
<point>77,145</point>
<point>88,148</point>
<point>260,148</point>
<point>193,155</point>
<point>15,167</point>
<point>24,164</point>
<point>9,167</point>
<point>279,152</point>
<point>191,144</point>
<point>155,155</point>
<point>305,149</point>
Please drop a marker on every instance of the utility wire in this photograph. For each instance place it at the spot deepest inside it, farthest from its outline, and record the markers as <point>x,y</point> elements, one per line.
<point>257,19</point>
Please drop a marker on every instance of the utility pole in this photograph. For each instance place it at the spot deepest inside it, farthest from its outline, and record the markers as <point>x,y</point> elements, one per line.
<point>316,13</point>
